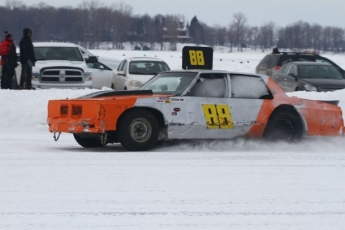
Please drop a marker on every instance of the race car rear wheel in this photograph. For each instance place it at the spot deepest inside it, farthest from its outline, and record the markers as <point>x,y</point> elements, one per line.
<point>138,130</point>
<point>88,141</point>
<point>284,125</point>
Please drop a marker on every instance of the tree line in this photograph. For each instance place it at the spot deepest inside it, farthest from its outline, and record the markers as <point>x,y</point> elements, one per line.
<point>92,23</point>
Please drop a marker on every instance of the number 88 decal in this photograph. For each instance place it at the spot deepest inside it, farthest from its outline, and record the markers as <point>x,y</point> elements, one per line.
<point>196,57</point>
<point>217,116</point>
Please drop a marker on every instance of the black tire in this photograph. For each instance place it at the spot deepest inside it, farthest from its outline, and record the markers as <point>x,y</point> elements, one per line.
<point>284,125</point>
<point>88,141</point>
<point>138,130</point>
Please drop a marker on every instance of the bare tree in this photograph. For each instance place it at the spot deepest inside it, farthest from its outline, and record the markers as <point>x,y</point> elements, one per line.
<point>231,36</point>
<point>253,34</point>
<point>121,22</point>
<point>93,22</point>
<point>159,22</point>
<point>316,31</point>
<point>221,35</point>
<point>326,38</point>
<point>266,35</point>
<point>44,17</point>
<point>209,35</point>
<point>92,31</point>
<point>11,4</point>
<point>338,38</point>
<point>239,26</point>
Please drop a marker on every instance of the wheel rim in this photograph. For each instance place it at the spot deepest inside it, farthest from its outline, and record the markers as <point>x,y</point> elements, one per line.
<point>284,129</point>
<point>140,130</point>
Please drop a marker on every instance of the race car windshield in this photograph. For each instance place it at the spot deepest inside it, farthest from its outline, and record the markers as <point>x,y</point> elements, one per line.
<point>170,83</point>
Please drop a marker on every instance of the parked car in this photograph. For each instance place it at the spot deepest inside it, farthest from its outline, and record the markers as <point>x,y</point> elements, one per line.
<point>67,65</point>
<point>135,71</point>
<point>103,75</point>
<point>273,62</point>
<point>309,76</point>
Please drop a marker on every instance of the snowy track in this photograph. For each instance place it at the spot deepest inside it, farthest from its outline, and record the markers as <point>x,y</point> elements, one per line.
<point>216,185</point>
<point>192,185</point>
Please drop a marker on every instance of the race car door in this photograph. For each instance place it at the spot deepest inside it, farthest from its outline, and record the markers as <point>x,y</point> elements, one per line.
<point>206,111</point>
<point>222,108</point>
<point>248,93</point>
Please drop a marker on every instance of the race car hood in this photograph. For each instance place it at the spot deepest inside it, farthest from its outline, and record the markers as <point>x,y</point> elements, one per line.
<point>58,63</point>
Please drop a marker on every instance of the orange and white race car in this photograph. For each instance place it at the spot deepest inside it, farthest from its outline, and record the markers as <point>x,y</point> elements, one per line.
<point>193,104</point>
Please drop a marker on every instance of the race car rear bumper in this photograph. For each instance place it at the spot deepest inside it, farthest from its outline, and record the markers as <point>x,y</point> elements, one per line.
<point>76,126</point>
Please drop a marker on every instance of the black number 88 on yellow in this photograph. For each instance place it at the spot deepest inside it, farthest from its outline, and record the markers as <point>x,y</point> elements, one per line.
<point>217,116</point>
<point>197,57</point>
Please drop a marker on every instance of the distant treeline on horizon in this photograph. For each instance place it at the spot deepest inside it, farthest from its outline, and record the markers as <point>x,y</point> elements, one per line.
<point>94,22</point>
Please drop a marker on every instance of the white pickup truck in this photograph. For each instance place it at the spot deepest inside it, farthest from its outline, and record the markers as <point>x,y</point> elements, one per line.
<point>67,65</point>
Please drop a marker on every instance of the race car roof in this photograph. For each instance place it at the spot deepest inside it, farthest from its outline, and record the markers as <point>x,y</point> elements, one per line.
<point>200,71</point>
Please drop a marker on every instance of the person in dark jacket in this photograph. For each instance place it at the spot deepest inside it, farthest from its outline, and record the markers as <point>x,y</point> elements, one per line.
<point>275,50</point>
<point>27,59</point>
<point>8,61</point>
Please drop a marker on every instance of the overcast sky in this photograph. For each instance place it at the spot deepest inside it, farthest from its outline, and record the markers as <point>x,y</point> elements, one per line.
<point>220,12</point>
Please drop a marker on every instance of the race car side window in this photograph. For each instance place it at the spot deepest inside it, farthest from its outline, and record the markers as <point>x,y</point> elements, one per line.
<point>209,85</point>
<point>249,87</point>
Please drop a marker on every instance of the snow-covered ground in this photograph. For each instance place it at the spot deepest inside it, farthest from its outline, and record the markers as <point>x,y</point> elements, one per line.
<point>236,184</point>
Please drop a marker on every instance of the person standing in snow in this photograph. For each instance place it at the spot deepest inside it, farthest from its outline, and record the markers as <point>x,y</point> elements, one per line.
<point>27,59</point>
<point>275,50</point>
<point>8,61</point>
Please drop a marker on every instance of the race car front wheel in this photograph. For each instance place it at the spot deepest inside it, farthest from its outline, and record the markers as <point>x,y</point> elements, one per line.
<point>284,125</point>
<point>138,130</point>
<point>88,141</point>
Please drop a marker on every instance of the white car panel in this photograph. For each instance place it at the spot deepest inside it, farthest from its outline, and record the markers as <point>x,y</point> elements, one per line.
<point>127,79</point>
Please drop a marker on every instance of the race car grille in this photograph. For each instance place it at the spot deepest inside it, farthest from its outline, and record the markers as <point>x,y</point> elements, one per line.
<point>62,75</point>
<point>64,110</point>
<point>77,110</point>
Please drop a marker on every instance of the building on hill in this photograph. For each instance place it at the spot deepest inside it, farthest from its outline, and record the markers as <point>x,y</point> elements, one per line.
<point>179,35</point>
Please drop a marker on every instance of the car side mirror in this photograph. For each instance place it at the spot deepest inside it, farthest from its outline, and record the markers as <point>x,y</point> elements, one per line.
<point>101,67</point>
<point>121,73</point>
<point>91,59</point>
